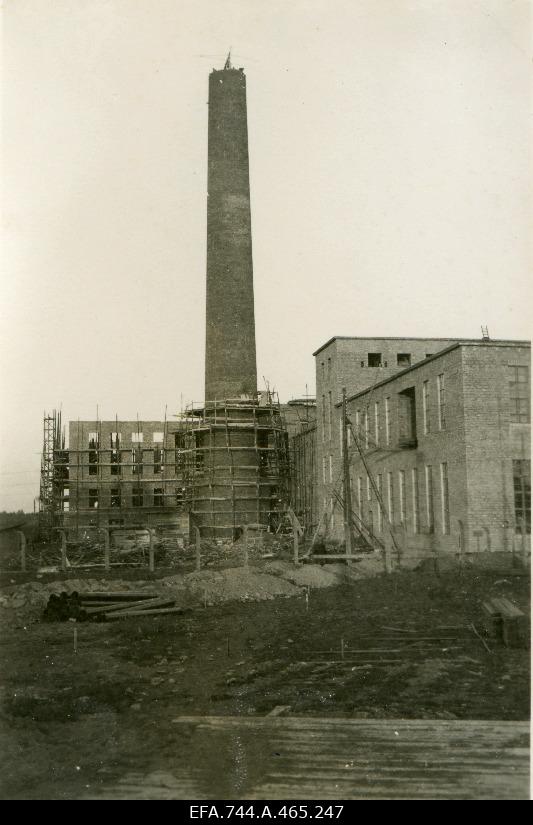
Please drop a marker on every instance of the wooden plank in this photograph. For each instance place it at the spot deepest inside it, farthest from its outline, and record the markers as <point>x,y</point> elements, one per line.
<point>148,604</point>
<point>121,595</point>
<point>124,614</point>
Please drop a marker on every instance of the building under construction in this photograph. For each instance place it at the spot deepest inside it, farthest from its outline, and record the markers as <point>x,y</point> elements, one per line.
<point>223,464</point>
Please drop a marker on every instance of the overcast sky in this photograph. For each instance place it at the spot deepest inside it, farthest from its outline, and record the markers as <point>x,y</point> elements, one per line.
<point>389,172</point>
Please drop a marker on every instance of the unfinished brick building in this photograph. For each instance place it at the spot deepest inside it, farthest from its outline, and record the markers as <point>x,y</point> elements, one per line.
<point>225,463</point>
<point>439,453</point>
<point>120,474</point>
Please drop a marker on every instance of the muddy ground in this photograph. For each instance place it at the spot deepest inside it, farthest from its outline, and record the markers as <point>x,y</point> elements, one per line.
<point>397,646</point>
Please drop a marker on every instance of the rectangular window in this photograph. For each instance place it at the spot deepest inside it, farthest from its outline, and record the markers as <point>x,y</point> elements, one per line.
<point>137,438</point>
<point>137,497</point>
<point>331,468</point>
<point>360,496</point>
<point>445,498</point>
<point>380,508</point>
<point>374,359</point>
<point>158,460</point>
<point>403,503</point>
<point>430,511</point>
<point>180,497</point>
<point>390,497</point>
<point>407,418</point>
<point>330,415</point>
<point>368,489</point>
<point>114,439</point>
<point>376,422</point>
<point>519,395</point>
<point>403,359</point>
<point>416,505</point>
<point>522,494</point>
<point>425,406</point>
<point>323,419</point>
<point>367,434</point>
<point>441,402</point>
<point>157,438</point>
<point>137,461</point>
<point>358,426</point>
<point>158,496</point>
<point>93,454</point>
<point>387,421</point>
<point>115,497</point>
<point>93,499</point>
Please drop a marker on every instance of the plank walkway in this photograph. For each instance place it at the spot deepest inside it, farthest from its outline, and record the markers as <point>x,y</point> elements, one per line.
<point>279,757</point>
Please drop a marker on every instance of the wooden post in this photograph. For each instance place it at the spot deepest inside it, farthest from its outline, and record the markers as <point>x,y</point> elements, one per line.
<point>22,551</point>
<point>295,543</point>
<point>63,550</point>
<point>245,539</point>
<point>524,542</point>
<point>346,486</point>
<point>197,548</point>
<point>387,560</point>
<point>151,558</point>
<point>107,563</point>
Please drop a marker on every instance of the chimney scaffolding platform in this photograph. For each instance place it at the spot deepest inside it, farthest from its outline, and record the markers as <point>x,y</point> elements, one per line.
<point>233,460</point>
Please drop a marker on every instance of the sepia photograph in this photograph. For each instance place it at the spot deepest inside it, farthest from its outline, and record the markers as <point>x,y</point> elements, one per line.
<point>266,300</point>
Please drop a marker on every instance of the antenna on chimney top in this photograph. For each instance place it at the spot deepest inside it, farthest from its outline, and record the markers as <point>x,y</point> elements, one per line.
<point>485,333</point>
<point>227,64</point>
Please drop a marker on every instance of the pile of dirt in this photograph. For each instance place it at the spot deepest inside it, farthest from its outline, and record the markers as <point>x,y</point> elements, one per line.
<point>371,565</point>
<point>307,575</point>
<point>237,584</point>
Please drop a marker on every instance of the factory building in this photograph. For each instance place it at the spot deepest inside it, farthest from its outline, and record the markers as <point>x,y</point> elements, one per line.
<point>439,453</point>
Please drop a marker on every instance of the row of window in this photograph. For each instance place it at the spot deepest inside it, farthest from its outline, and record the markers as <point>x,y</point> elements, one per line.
<point>136,464</point>
<point>375,360</point>
<point>368,426</point>
<point>115,439</point>
<point>393,500</point>
<point>368,423</point>
<point>399,500</point>
<point>139,498</point>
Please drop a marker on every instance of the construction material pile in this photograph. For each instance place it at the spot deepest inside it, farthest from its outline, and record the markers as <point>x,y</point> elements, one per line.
<point>106,606</point>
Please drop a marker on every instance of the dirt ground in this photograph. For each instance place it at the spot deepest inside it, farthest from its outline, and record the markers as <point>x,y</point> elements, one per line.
<point>397,646</point>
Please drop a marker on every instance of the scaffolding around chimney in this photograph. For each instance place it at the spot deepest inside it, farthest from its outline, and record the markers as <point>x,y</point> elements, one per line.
<point>233,459</point>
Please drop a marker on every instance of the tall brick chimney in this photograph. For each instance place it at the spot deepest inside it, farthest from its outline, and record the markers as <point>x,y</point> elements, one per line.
<point>230,359</point>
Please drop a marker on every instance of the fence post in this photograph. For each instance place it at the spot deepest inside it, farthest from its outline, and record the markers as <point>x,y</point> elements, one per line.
<point>107,563</point>
<point>524,542</point>
<point>295,543</point>
<point>387,559</point>
<point>63,550</point>
<point>151,557</point>
<point>245,538</point>
<point>198,554</point>
<point>22,551</point>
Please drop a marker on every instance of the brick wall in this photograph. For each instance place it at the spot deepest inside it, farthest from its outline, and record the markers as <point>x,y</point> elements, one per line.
<point>473,438</point>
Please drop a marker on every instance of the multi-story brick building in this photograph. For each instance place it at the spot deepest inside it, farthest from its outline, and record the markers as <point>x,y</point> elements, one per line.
<point>122,473</point>
<point>356,364</point>
<point>446,442</point>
